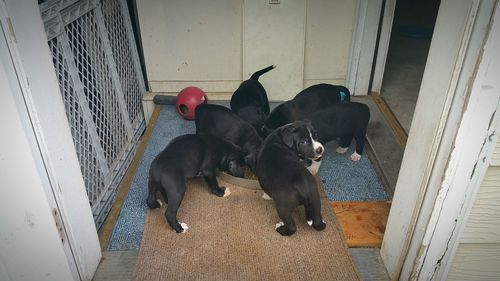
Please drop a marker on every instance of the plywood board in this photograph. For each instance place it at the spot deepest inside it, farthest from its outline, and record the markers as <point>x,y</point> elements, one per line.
<point>363,223</point>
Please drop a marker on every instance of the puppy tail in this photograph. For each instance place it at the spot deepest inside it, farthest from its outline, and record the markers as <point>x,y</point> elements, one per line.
<point>257,74</point>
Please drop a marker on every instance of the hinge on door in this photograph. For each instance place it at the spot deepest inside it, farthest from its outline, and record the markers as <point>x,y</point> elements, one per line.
<point>59,225</point>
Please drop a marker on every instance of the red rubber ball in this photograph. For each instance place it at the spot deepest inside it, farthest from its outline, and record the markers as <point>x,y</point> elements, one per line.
<point>188,99</point>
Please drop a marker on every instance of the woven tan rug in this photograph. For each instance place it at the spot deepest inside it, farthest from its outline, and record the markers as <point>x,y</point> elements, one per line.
<point>233,238</point>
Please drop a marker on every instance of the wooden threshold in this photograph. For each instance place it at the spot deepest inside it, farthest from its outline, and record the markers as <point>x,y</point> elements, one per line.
<point>121,192</point>
<point>391,119</point>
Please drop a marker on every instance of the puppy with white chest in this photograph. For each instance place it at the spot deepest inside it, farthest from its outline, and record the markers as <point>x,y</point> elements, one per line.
<point>284,178</point>
<point>185,157</point>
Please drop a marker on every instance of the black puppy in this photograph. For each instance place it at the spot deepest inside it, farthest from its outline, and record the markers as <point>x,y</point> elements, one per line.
<point>250,100</point>
<point>343,122</point>
<point>185,157</point>
<point>284,178</point>
<point>220,121</point>
<point>307,101</point>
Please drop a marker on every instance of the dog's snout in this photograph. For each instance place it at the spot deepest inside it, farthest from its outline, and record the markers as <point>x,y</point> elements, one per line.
<point>319,150</point>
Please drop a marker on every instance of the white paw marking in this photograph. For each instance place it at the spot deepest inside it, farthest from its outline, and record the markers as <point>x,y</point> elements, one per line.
<point>279,224</point>
<point>341,150</point>
<point>227,192</point>
<point>266,197</point>
<point>159,202</point>
<point>184,226</point>
<point>355,156</point>
<point>310,223</point>
<point>314,168</point>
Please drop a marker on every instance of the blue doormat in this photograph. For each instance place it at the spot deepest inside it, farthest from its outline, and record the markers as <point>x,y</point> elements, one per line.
<point>346,180</point>
<point>343,179</point>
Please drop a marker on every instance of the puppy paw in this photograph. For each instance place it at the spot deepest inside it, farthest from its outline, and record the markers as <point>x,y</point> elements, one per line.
<point>220,191</point>
<point>266,197</point>
<point>180,227</point>
<point>227,192</point>
<point>159,202</point>
<point>153,204</point>
<point>341,150</point>
<point>184,227</point>
<point>355,157</point>
<point>278,225</point>
<point>320,226</point>
<point>283,230</point>
<point>310,223</point>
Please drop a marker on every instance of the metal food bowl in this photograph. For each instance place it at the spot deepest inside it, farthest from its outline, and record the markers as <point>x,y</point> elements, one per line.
<point>249,181</point>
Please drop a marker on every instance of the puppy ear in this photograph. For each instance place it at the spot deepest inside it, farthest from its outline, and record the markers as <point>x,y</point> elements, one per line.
<point>264,131</point>
<point>251,160</point>
<point>307,121</point>
<point>287,135</point>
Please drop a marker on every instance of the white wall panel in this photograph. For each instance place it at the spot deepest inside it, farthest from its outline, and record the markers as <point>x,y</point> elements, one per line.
<point>476,262</point>
<point>495,159</point>
<point>275,34</point>
<point>217,44</point>
<point>328,40</point>
<point>190,41</point>
<point>483,223</point>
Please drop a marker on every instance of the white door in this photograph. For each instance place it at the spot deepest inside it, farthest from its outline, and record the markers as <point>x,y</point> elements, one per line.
<point>47,228</point>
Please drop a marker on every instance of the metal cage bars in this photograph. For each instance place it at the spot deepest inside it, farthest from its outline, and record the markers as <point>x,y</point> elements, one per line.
<point>92,45</point>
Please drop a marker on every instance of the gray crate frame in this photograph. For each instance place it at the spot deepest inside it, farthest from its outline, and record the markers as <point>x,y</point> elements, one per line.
<point>97,64</point>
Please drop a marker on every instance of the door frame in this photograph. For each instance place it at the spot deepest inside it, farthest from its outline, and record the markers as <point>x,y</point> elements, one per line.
<point>383,45</point>
<point>364,41</point>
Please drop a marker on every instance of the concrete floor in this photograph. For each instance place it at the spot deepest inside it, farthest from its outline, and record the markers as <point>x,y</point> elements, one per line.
<point>407,56</point>
<point>404,69</point>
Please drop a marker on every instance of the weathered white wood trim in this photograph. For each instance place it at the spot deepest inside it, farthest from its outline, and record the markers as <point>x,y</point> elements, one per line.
<point>40,88</point>
<point>467,165</point>
<point>383,45</point>
<point>364,40</point>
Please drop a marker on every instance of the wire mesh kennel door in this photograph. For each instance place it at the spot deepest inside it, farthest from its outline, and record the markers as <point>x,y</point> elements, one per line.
<point>96,61</point>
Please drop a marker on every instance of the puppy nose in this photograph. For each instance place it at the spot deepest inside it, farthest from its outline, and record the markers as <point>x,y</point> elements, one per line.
<point>319,150</point>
